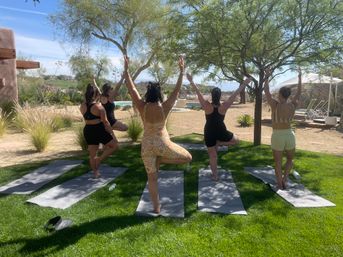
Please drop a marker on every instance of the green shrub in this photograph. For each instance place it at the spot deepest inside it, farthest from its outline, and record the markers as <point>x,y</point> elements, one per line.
<point>294,125</point>
<point>3,122</point>
<point>80,139</point>
<point>37,123</point>
<point>245,120</point>
<point>168,124</point>
<point>60,122</point>
<point>135,128</point>
<point>8,109</point>
<point>40,135</point>
<point>126,107</point>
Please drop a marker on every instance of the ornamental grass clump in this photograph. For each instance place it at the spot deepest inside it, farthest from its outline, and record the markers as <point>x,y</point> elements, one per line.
<point>135,128</point>
<point>245,120</point>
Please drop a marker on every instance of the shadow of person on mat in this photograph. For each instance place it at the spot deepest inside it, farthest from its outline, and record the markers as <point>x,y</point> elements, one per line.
<point>57,241</point>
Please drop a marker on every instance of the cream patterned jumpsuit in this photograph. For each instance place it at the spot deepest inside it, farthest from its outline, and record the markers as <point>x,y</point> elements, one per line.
<point>156,143</point>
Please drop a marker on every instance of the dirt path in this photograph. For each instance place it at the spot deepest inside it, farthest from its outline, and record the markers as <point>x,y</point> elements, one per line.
<point>16,148</point>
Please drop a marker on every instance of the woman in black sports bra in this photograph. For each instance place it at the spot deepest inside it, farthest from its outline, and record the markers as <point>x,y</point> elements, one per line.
<point>107,101</point>
<point>97,129</point>
<point>215,132</point>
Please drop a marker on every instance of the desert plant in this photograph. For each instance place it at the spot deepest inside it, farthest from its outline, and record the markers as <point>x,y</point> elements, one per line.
<point>37,123</point>
<point>245,120</point>
<point>61,121</point>
<point>80,139</point>
<point>135,128</point>
<point>27,117</point>
<point>40,135</point>
<point>4,118</point>
<point>8,109</point>
<point>169,124</point>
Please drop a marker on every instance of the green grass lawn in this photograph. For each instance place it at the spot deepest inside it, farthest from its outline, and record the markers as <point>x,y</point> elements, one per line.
<point>105,223</point>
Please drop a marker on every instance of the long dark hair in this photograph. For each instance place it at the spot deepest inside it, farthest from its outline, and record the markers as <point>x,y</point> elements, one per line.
<point>153,93</point>
<point>216,94</point>
<point>285,92</point>
<point>91,92</point>
<point>105,89</point>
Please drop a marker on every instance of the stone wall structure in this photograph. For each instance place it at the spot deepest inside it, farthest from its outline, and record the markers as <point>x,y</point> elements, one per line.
<point>8,77</point>
<point>8,66</point>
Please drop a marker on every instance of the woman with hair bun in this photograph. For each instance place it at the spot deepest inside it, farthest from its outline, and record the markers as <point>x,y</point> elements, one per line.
<point>215,132</point>
<point>97,129</point>
<point>157,147</point>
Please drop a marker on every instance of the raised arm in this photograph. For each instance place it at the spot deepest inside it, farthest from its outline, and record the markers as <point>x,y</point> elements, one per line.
<point>95,84</point>
<point>169,103</point>
<point>295,99</point>
<point>201,98</point>
<point>136,98</point>
<point>271,101</point>
<point>115,92</point>
<point>229,102</point>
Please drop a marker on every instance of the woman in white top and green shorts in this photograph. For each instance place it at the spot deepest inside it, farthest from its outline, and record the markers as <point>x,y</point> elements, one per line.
<point>283,138</point>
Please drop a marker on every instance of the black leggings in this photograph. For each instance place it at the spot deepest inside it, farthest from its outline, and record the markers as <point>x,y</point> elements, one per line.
<point>96,134</point>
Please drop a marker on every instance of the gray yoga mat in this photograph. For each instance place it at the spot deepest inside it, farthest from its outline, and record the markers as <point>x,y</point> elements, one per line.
<point>38,178</point>
<point>74,190</point>
<point>296,194</point>
<point>219,196</point>
<point>170,186</point>
<point>201,147</point>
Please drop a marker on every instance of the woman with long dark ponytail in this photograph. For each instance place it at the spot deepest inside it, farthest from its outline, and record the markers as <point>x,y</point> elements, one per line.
<point>97,129</point>
<point>215,132</point>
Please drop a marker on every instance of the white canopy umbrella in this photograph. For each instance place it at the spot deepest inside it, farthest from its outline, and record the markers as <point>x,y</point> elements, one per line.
<point>313,78</point>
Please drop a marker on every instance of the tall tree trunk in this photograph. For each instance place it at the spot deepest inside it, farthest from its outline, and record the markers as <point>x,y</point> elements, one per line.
<point>258,115</point>
<point>242,96</point>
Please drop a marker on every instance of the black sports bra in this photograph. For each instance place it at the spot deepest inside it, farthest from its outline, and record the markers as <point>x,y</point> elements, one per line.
<point>88,115</point>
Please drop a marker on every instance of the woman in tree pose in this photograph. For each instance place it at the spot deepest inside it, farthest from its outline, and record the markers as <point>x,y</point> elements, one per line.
<point>215,132</point>
<point>97,129</point>
<point>283,138</point>
<point>107,101</point>
<point>156,145</point>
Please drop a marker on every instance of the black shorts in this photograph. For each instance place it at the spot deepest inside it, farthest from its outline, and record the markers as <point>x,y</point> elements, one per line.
<point>211,138</point>
<point>96,134</point>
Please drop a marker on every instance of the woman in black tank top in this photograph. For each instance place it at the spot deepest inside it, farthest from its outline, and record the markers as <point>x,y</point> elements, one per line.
<point>107,101</point>
<point>215,132</point>
<point>97,129</point>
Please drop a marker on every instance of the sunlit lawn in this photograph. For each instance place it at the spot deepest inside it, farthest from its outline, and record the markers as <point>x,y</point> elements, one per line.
<point>105,223</point>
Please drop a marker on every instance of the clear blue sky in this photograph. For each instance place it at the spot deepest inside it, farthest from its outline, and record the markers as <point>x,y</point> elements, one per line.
<point>35,39</point>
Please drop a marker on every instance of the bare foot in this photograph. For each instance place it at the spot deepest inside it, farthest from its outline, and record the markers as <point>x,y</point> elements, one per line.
<point>97,174</point>
<point>158,209</point>
<point>215,177</point>
<point>280,187</point>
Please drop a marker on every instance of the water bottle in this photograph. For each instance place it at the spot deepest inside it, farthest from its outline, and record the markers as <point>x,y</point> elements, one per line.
<point>296,175</point>
<point>113,186</point>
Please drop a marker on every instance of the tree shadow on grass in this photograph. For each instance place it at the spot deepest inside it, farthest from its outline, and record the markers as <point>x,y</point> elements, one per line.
<point>59,240</point>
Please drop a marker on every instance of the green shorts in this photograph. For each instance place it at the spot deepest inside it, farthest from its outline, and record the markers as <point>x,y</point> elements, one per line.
<point>283,139</point>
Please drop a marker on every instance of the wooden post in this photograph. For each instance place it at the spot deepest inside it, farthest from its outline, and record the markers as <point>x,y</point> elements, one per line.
<point>8,66</point>
<point>24,65</point>
<point>7,53</point>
